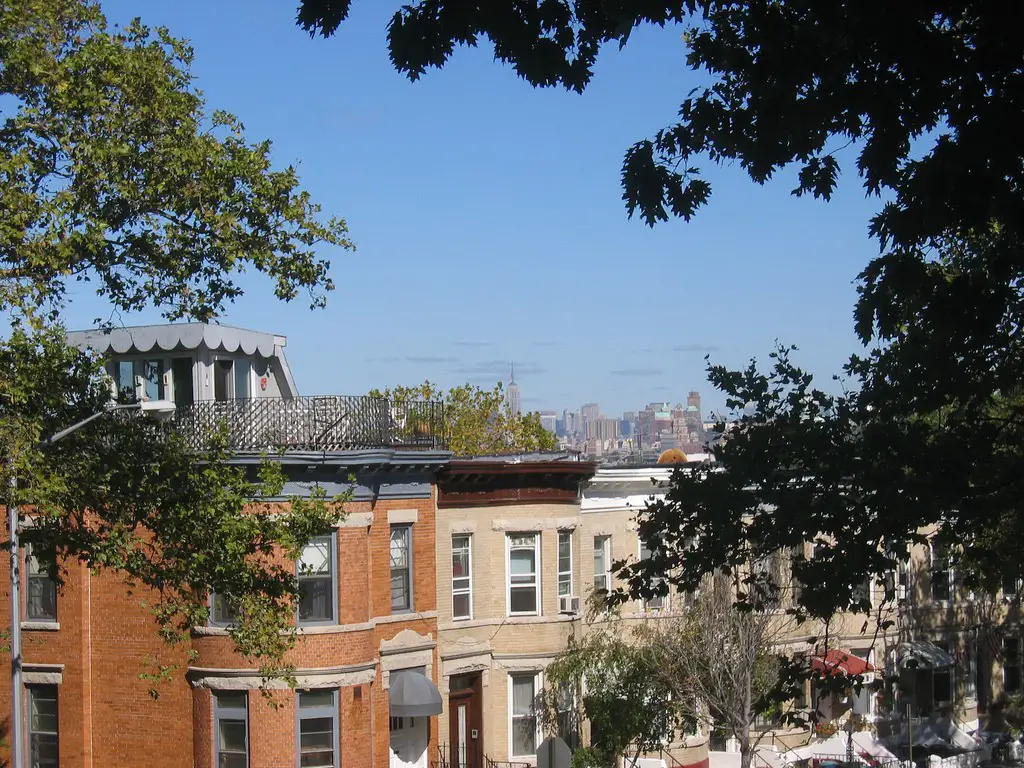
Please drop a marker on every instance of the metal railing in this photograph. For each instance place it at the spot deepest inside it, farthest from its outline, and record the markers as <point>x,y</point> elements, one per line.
<point>445,759</point>
<point>317,423</point>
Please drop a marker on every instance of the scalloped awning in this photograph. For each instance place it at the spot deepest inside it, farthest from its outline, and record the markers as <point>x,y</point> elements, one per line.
<point>179,336</point>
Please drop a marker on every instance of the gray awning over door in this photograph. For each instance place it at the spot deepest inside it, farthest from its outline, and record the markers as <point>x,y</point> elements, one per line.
<point>413,694</point>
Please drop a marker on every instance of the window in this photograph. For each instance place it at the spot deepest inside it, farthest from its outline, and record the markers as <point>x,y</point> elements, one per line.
<point>942,679</point>
<point>971,683</point>
<point>1011,665</point>
<point>941,572</point>
<point>1011,585</point>
<point>231,729</point>
<point>140,379</point>
<point>603,563</point>
<point>318,729</point>
<point>766,579</point>
<point>564,563</point>
<point>126,380</point>
<point>317,587</point>
<point>657,602</point>
<point>182,381</point>
<point>568,722</point>
<point>231,379</point>
<point>42,726</point>
<point>41,592</point>
<point>222,612</point>
<point>153,379</point>
<point>401,568</point>
<point>523,723</point>
<point>462,577</point>
<point>524,575</point>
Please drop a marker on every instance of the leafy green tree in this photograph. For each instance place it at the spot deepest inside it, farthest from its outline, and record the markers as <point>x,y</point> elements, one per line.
<point>480,422</point>
<point>925,436</point>
<point>112,172</point>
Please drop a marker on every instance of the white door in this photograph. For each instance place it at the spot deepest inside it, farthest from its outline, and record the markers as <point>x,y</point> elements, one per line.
<point>409,742</point>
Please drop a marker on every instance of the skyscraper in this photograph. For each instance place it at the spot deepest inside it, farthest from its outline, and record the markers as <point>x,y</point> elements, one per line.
<point>515,399</point>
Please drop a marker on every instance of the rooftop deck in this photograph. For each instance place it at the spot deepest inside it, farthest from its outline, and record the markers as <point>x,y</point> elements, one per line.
<point>326,423</point>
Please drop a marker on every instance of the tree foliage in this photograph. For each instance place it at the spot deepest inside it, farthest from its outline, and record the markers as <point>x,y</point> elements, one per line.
<point>920,101</point>
<point>112,172</point>
<point>480,421</point>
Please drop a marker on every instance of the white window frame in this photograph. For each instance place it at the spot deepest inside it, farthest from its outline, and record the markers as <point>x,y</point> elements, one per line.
<point>311,713</point>
<point>466,587</point>
<point>658,604</point>
<point>564,577</point>
<point>333,555</point>
<point>971,681</point>
<point>950,575</point>
<point>538,686</point>
<point>213,621</point>
<point>232,393</point>
<point>34,574</point>
<point>535,535</point>
<point>406,529</point>
<point>605,542</point>
<point>229,713</point>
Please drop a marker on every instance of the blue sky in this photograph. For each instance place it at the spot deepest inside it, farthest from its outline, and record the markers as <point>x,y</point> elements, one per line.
<point>490,227</point>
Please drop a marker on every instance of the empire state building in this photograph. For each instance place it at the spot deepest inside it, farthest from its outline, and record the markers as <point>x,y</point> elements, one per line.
<point>515,399</point>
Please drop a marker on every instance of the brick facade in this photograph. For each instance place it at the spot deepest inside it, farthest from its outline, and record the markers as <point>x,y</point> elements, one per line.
<point>104,638</point>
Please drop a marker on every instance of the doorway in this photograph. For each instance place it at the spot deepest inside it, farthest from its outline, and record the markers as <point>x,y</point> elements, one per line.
<point>465,726</point>
<point>408,746</point>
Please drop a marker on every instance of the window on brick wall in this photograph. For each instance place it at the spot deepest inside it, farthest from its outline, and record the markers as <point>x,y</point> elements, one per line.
<point>564,563</point>
<point>524,727</point>
<point>223,613</point>
<point>462,577</point>
<point>401,568</point>
<point>41,591</point>
<point>602,563</point>
<point>657,602</point>
<point>42,726</point>
<point>231,729</point>
<point>318,729</point>
<point>1011,665</point>
<point>318,585</point>
<point>523,553</point>
<point>941,572</point>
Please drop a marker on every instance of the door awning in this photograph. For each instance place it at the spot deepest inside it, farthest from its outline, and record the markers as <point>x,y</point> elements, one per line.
<point>412,694</point>
<point>921,654</point>
<point>839,662</point>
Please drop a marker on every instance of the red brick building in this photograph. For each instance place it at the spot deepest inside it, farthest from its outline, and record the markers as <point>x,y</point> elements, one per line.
<point>367,619</point>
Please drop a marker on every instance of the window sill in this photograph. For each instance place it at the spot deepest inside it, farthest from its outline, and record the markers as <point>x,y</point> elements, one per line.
<point>40,626</point>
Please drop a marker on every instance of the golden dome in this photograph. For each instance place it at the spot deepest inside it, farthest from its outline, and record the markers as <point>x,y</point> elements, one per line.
<point>672,456</point>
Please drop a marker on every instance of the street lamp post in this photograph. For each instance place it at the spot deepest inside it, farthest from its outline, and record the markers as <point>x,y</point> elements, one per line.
<point>155,408</point>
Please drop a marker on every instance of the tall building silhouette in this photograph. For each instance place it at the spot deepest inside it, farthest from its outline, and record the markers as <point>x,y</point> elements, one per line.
<point>515,399</point>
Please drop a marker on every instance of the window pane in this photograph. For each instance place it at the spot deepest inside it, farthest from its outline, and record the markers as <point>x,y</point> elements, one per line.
<point>523,600</point>
<point>400,598</point>
<point>232,735</point>
<point>523,692</point>
<point>460,606</point>
<point>460,559</point>
<point>222,380</point>
<point>231,700</point>
<point>600,566</point>
<point>223,611</point>
<point>233,760</point>
<point>524,736</point>
<point>181,373</point>
<point>242,369</point>
<point>522,563</point>
<point>315,598</point>
<point>153,379</point>
<point>319,697</point>
<point>316,557</point>
<point>45,750</point>
<point>400,547</point>
<point>126,379</point>
<point>564,552</point>
<point>41,598</point>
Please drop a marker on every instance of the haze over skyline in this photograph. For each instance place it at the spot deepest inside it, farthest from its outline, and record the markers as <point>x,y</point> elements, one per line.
<point>490,227</point>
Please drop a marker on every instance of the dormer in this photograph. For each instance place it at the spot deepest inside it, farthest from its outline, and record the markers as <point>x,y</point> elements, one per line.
<point>190,362</point>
